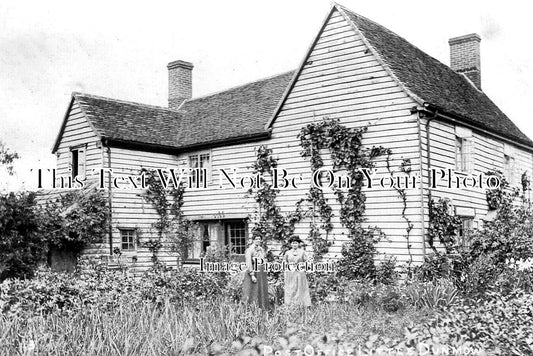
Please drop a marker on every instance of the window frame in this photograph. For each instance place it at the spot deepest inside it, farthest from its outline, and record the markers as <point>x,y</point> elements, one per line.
<point>198,157</point>
<point>464,150</point>
<point>227,236</point>
<point>509,164</point>
<point>133,242</point>
<point>81,161</point>
<point>463,235</point>
<point>223,236</point>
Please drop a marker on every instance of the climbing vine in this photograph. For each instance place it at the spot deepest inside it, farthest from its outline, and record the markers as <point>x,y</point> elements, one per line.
<point>271,223</point>
<point>171,226</point>
<point>347,154</point>
<point>443,225</point>
<point>405,167</point>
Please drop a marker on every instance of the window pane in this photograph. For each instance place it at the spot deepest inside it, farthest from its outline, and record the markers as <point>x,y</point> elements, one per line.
<point>74,163</point>
<point>194,248</point>
<point>128,239</point>
<point>193,165</point>
<point>237,237</point>
<point>204,163</point>
<point>463,235</point>
<point>459,154</point>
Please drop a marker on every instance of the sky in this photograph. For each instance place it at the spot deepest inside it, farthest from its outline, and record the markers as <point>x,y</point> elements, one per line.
<point>119,49</point>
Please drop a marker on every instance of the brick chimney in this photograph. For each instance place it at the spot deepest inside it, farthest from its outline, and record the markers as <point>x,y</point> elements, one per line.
<point>179,83</point>
<point>465,57</point>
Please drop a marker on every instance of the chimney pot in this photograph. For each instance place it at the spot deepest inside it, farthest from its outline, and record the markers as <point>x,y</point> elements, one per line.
<point>465,57</point>
<point>179,83</point>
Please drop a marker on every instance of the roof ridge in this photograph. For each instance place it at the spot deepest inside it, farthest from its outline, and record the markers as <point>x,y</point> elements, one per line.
<point>392,32</point>
<point>239,86</point>
<point>77,94</point>
<point>463,77</point>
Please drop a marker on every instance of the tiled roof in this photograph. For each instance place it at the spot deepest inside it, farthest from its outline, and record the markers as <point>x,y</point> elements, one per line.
<point>238,112</point>
<point>244,111</point>
<point>127,121</point>
<point>434,82</point>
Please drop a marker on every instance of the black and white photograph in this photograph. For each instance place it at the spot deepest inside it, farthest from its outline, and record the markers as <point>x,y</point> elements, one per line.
<point>266,178</point>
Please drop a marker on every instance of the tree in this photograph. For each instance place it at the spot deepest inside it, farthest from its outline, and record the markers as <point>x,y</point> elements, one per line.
<point>7,158</point>
<point>22,243</point>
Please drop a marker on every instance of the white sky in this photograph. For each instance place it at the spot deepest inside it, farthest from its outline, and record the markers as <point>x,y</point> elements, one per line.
<point>120,49</point>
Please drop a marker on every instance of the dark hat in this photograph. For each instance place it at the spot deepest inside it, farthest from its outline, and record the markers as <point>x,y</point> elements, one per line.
<point>295,238</point>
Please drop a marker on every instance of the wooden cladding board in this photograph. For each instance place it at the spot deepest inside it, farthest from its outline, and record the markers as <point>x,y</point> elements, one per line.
<point>343,80</point>
<point>487,155</point>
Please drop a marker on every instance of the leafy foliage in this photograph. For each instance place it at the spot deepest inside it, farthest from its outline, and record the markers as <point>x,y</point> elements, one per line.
<point>347,153</point>
<point>172,227</point>
<point>443,225</point>
<point>69,220</point>
<point>271,223</point>
<point>7,158</point>
<point>75,218</point>
<point>52,292</point>
<point>22,244</point>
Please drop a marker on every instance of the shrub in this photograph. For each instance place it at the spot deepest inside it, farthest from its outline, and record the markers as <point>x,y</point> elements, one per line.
<point>74,219</point>
<point>389,298</point>
<point>324,286</point>
<point>22,243</point>
<point>503,323</point>
<point>516,276</point>
<point>27,230</point>
<point>386,271</point>
<point>357,261</point>
<point>51,291</point>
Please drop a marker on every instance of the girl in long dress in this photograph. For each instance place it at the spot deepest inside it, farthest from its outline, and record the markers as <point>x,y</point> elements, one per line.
<point>296,286</point>
<point>255,287</point>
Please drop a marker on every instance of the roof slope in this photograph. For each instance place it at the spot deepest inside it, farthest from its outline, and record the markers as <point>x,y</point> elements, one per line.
<point>238,112</point>
<point>126,121</point>
<point>243,112</point>
<point>435,82</point>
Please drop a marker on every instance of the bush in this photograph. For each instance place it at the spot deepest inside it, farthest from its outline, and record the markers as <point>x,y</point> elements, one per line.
<point>27,230</point>
<point>386,271</point>
<point>501,323</point>
<point>357,261</point>
<point>60,292</point>
<point>22,242</point>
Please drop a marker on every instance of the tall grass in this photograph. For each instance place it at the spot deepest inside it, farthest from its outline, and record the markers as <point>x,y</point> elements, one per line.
<point>197,328</point>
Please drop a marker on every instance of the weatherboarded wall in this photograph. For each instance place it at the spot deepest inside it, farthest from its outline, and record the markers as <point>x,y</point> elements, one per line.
<point>78,134</point>
<point>487,154</point>
<point>341,79</point>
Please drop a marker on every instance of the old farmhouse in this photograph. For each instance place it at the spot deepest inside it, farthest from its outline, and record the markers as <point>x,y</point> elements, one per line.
<point>429,114</point>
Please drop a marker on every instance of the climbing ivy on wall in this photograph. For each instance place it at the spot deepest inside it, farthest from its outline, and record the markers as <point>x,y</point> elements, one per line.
<point>171,226</point>
<point>443,225</point>
<point>347,154</point>
<point>271,223</point>
<point>405,167</point>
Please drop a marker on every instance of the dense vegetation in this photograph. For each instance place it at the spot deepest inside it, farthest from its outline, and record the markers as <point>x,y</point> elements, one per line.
<point>28,230</point>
